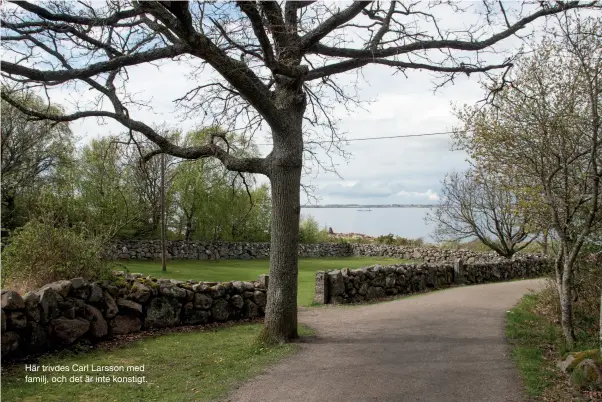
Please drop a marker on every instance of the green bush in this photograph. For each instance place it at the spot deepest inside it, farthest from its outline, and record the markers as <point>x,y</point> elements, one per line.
<point>391,239</point>
<point>41,252</point>
<point>386,239</point>
<point>310,232</point>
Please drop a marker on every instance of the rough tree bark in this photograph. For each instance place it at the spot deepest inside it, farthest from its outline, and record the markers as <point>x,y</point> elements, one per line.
<point>566,305</point>
<point>188,232</point>
<point>285,179</point>
<point>163,218</point>
<point>281,312</point>
<point>275,63</point>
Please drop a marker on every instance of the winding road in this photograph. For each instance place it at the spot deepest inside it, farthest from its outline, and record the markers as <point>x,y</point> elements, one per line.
<point>446,346</point>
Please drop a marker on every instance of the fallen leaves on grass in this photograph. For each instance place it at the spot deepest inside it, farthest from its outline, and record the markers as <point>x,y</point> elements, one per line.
<point>593,395</point>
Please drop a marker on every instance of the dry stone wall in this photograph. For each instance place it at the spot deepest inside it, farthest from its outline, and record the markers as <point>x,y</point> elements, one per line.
<point>376,282</point>
<point>193,250</point>
<point>70,311</point>
<point>426,254</point>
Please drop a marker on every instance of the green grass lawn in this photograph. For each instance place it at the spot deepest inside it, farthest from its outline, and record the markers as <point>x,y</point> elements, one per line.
<point>248,270</point>
<point>191,366</point>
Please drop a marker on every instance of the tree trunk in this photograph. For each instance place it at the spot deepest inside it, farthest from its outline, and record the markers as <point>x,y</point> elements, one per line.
<point>281,309</point>
<point>600,324</point>
<point>163,223</point>
<point>566,306</point>
<point>284,172</point>
<point>188,234</point>
<point>544,243</point>
<point>558,270</point>
<point>9,211</point>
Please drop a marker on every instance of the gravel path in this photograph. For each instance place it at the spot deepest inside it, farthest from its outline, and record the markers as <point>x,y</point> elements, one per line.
<point>444,346</point>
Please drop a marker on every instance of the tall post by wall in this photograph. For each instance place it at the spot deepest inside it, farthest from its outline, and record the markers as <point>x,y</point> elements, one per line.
<point>458,272</point>
<point>321,296</point>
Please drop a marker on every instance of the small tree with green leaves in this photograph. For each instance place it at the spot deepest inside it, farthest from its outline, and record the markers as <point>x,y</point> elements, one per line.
<point>544,133</point>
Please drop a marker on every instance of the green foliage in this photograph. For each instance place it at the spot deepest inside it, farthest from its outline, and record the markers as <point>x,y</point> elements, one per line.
<point>541,140</point>
<point>104,186</point>
<point>544,142</point>
<point>593,244</point>
<point>386,239</point>
<point>41,252</point>
<point>450,245</point>
<point>211,203</point>
<point>33,151</point>
<point>392,239</point>
<point>310,232</point>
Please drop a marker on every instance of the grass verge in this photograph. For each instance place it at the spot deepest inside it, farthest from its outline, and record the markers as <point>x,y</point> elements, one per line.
<point>192,366</point>
<point>248,270</point>
<point>532,336</point>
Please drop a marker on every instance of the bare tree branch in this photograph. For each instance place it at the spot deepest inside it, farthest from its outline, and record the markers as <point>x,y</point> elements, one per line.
<point>315,35</point>
<point>70,18</point>
<point>249,165</point>
<point>448,44</point>
<point>95,69</point>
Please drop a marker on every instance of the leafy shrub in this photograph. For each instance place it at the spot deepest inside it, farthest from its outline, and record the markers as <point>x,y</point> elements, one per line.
<point>42,252</point>
<point>310,232</point>
<point>386,239</point>
<point>391,239</point>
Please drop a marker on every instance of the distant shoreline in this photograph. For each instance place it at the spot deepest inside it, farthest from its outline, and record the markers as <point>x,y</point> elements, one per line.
<point>371,206</point>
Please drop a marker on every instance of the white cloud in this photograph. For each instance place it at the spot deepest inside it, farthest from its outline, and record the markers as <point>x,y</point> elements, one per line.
<point>428,194</point>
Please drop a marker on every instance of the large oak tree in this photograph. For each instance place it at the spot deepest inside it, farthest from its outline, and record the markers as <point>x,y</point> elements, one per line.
<point>273,63</point>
